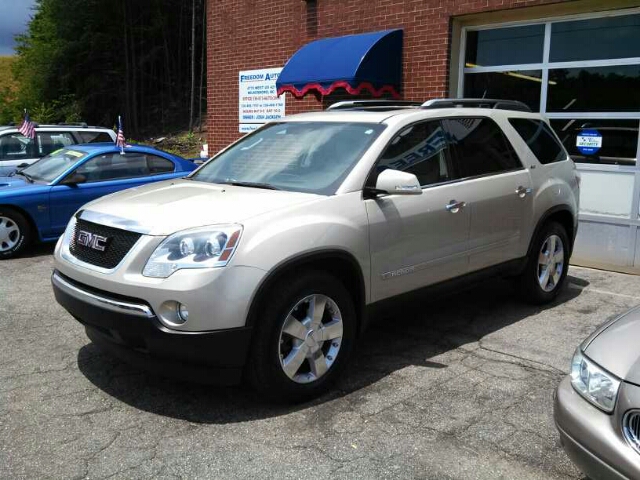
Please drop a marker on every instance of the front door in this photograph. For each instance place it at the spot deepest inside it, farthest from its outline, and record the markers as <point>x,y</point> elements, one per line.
<point>422,239</point>
<point>499,190</point>
<point>16,150</point>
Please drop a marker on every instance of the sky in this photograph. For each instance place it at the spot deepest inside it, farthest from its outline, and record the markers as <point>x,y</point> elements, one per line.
<point>14,15</point>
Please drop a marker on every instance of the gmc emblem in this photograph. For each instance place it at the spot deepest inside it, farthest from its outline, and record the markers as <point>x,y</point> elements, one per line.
<point>91,240</point>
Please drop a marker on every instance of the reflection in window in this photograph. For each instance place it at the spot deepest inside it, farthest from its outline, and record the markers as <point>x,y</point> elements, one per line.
<point>505,46</point>
<point>521,85</point>
<point>596,39</point>
<point>419,149</point>
<point>596,89</point>
<point>618,144</point>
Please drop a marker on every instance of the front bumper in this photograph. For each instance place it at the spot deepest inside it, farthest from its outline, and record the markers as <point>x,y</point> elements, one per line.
<point>593,439</point>
<point>129,329</point>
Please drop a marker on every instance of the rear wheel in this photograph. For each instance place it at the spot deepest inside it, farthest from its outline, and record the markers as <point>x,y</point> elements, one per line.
<point>547,265</point>
<point>15,233</point>
<point>303,339</point>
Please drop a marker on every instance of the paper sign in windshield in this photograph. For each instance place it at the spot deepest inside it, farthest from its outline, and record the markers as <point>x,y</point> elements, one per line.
<point>589,142</point>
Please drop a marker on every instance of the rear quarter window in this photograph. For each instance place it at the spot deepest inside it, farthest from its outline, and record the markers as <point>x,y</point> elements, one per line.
<point>540,139</point>
<point>94,137</point>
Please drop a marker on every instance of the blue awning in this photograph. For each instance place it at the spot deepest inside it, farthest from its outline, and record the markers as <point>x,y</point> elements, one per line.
<point>368,61</point>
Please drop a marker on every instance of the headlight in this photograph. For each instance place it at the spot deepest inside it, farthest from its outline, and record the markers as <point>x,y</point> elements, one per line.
<point>205,247</point>
<point>593,383</point>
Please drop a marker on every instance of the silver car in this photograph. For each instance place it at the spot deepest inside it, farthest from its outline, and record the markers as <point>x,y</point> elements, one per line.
<point>597,406</point>
<point>268,260</point>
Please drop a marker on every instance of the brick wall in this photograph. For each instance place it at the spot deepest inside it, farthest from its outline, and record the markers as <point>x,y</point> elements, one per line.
<point>250,34</point>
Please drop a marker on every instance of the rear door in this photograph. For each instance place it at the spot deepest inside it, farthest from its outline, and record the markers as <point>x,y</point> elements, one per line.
<point>422,239</point>
<point>105,174</point>
<point>499,192</point>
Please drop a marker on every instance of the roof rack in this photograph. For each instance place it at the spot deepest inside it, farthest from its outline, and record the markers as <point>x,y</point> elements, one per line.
<point>476,103</point>
<point>376,105</point>
<point>77,124</point>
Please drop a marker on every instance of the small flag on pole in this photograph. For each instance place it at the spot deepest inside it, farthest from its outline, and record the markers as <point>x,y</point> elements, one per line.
<point>28,128</point>
<point>120,137</point>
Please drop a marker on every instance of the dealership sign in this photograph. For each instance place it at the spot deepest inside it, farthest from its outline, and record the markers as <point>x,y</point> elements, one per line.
<point>259,102</point>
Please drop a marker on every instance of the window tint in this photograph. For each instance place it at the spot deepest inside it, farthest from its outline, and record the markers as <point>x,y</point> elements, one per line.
<point>94,137</point>
<point>420,149</point>
<point>159,165</point>
<point>540,139</point>
<point>114,166</point>
<point>16,146</point>
<point>481,147</point>
<point>505,46</point>
<point>49,142</point>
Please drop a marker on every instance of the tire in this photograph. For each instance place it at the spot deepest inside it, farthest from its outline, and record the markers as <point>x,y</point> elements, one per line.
<point>281,364</point>
<point>15,233</point>
<point>541,282</point>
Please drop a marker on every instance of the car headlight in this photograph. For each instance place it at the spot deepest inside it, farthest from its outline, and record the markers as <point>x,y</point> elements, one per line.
<point>594,383</point>
<point>206,247</point>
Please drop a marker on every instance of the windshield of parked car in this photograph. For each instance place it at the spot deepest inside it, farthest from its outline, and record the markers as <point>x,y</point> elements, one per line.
<point>53,165</point>
<point>312,157</point>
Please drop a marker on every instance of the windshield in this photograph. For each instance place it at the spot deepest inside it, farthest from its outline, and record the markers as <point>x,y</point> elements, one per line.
<point>50,167</point>
<point>312,157</point>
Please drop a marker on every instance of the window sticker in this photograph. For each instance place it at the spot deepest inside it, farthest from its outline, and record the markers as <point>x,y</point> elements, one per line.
<point>589,142</point>
<point>74,153</point>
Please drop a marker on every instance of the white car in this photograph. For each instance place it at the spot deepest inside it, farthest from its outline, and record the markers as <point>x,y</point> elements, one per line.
<point>18,151</point>
<point>268,258</point>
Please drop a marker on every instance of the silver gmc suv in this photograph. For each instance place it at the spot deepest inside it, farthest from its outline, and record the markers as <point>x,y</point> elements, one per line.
<point>265,263</point>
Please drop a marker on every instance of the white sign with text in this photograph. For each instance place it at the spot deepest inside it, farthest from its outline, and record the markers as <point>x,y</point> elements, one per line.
<point>259,102</point>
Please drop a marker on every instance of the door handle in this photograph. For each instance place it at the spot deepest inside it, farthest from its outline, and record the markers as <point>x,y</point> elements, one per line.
<point>522,191</point>
<point>454,206</point>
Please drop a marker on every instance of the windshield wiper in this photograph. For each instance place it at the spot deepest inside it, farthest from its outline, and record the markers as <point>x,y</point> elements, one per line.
<point>25,175</point>
<point>266,186</point>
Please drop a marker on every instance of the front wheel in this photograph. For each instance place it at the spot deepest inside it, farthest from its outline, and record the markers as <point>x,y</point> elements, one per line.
<point>546,269</point>
<point>303,338</point>
<point>15,233</point>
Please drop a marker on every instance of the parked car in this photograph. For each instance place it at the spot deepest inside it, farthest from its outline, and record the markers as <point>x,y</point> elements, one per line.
<point>16,150</point>
<point>37,202</point>
<point>269,257</point>
<point>597,406</point>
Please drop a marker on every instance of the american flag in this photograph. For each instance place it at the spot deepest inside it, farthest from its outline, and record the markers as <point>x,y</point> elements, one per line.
<point>28,128</point>
<point>120,137</point>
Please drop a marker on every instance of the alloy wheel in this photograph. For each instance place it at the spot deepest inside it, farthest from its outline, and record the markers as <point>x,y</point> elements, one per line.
<point>9,234</point>
<point>550,263</point>
<point>310,338</point>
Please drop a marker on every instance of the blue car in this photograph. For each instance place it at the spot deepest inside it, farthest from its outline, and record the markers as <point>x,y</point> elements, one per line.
<point>37,203</point>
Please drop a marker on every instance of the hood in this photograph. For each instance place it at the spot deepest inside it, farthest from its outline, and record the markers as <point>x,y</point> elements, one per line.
<point>167,207</point>
<point>615,347</point>
<point>17,184</point>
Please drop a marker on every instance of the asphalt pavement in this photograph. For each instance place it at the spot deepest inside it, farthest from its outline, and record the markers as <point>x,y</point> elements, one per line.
<point>454,388</point>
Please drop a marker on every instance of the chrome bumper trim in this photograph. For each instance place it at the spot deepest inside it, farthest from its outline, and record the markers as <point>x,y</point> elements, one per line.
<point>139,310</point>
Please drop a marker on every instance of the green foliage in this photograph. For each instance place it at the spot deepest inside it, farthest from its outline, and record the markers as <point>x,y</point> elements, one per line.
<point>92,60</point>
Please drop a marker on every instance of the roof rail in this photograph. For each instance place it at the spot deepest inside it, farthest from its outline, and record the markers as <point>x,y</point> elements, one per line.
<point>377,105</point>
<point>76,124</point>
<point>476,103</point>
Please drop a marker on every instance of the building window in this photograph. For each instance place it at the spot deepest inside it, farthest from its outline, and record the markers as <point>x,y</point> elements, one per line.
<point>583,73</point>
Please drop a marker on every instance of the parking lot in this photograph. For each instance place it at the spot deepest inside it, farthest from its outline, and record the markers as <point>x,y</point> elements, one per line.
<point>455,388</point>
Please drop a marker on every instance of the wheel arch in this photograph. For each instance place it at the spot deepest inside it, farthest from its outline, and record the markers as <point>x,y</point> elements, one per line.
<point>338,263</point>
<point>564,216</point>
<point>26,215</point>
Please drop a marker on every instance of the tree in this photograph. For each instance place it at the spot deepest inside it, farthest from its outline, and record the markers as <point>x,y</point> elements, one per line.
<point>95,59</point>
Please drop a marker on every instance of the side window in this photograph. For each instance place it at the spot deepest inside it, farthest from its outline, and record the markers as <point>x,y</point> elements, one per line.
<point>538,136</point>
<point>481,147</point>
<point>159,165</point>
<point>114,166</point>
<point>420,149</point>
<point>16,146</point>
<point>94,137</point>
<point>49,142</point>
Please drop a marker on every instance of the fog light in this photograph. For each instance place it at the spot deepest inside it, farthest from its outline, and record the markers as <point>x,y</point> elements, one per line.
<point>183,312</point>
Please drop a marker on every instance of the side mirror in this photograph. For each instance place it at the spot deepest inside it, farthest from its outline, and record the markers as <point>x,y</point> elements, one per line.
<point>395,182</point>
<point>73,179</point>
